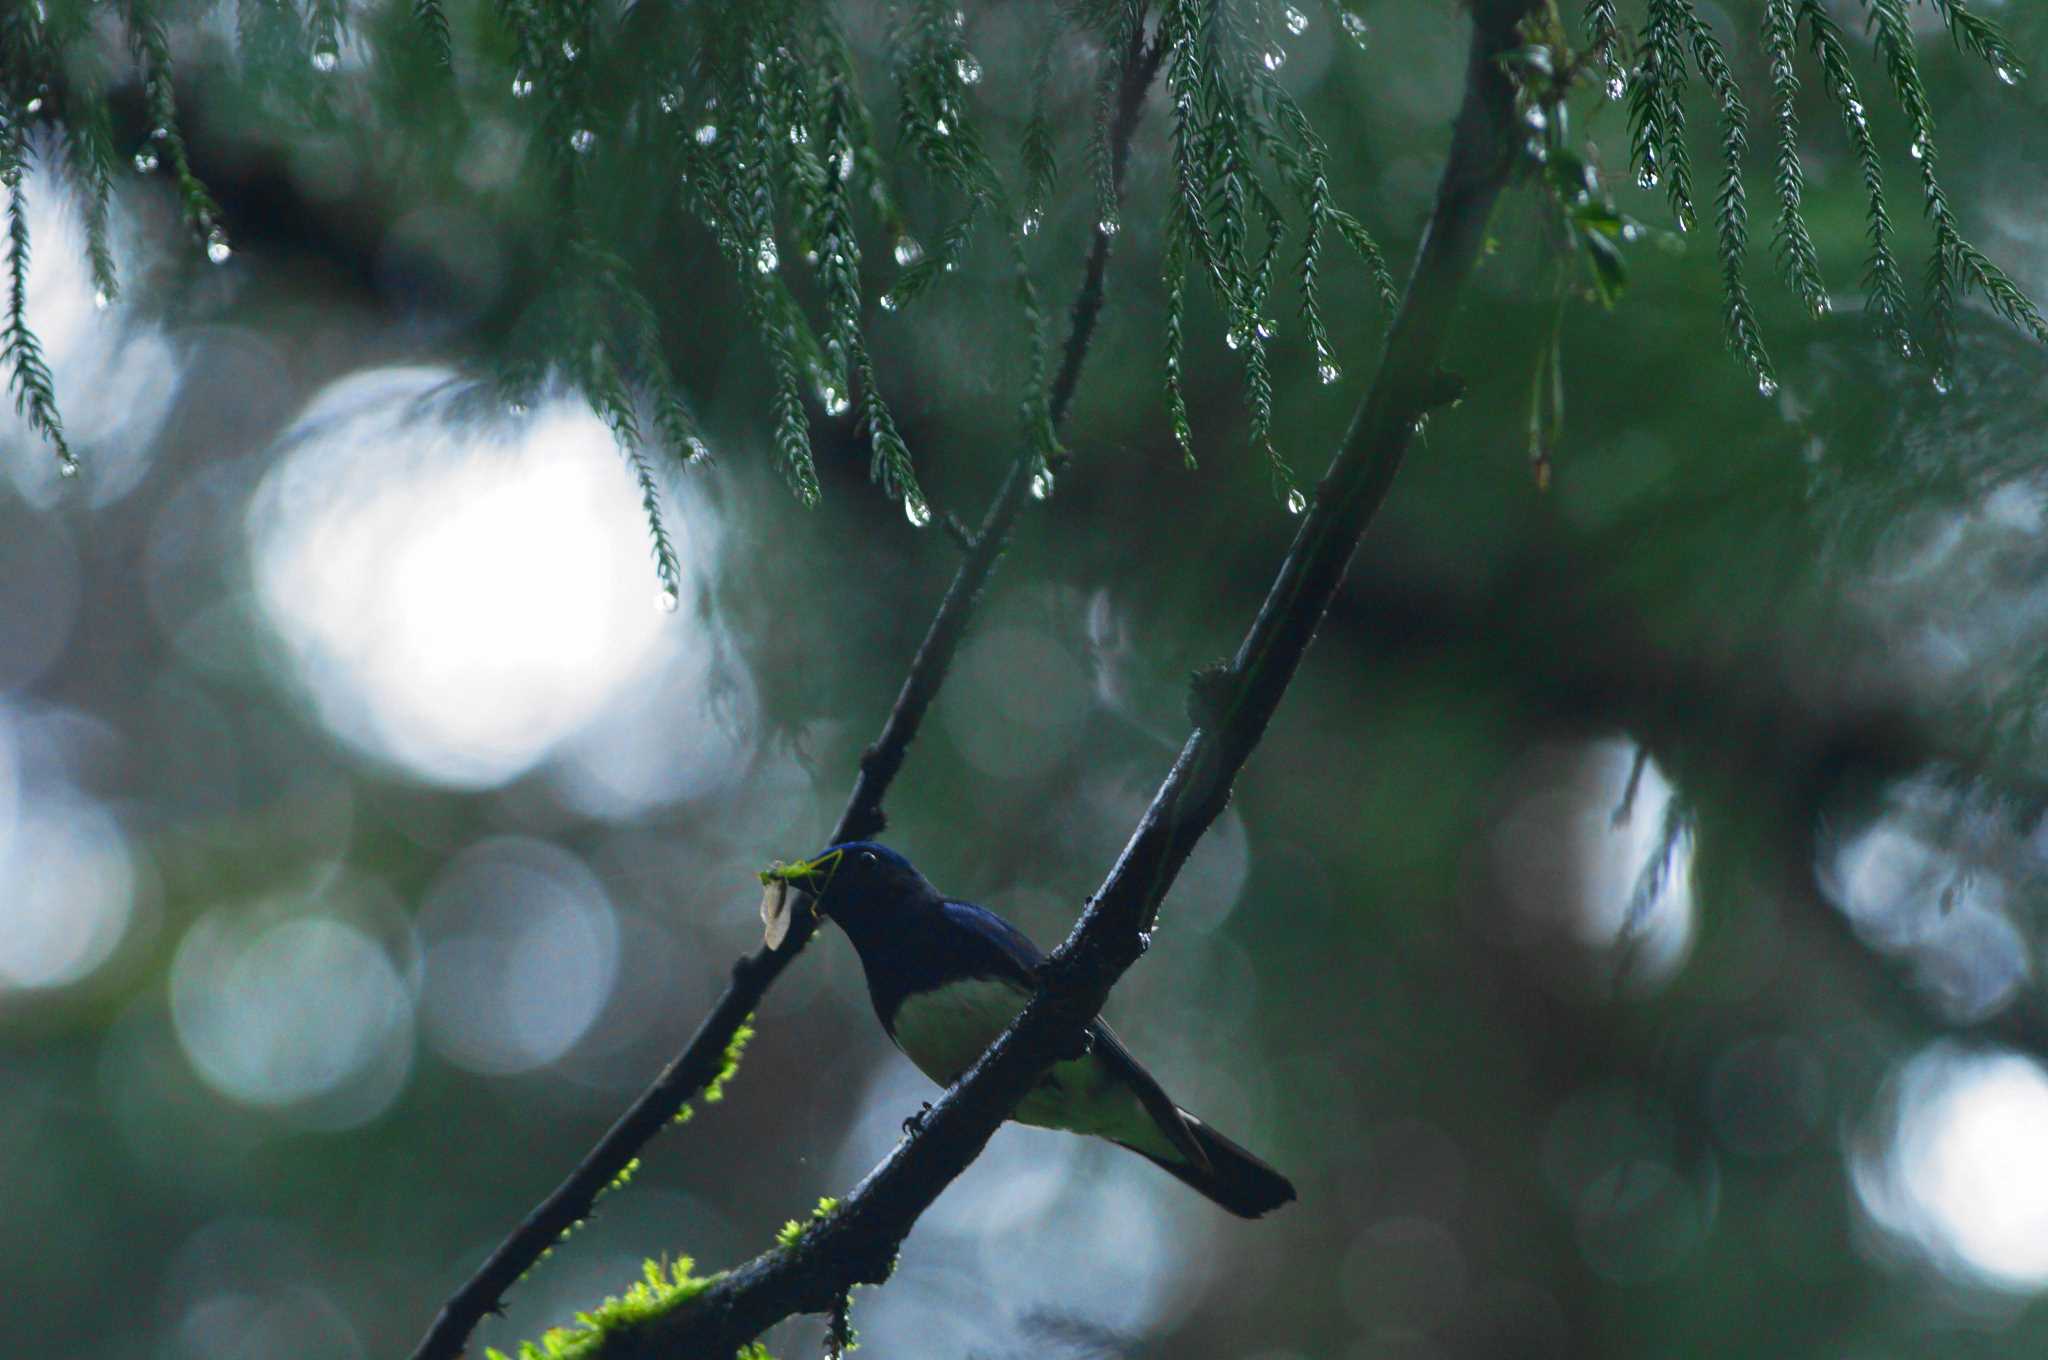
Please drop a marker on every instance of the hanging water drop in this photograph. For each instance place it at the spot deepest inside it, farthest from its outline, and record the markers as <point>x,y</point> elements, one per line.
<point>1631,231</point>
<point>706,134</point>
<point>67,466</point>
<point>522,85</point>
<point>833,400</point>
<point>1297,22</point>
<point>34,105</point>
<point>100,300</point>
<point>1041,485</point>
<point>1355,27</point>
<point>942,128</point>
<point>1144,940</point>
<point>766,257</point>
<point>1646,178</point>
<point>1109,226</point>
<point>581,140</point>
<point>1033,220</point>
<point>799,135</point>
<point>1233,338</point>
<point>1274,59</point>
<point>1328,371</point>
<point>1766,386</point>
<point>1536,118</point>
<point>569,50</point>
<point>969,71</point>
<point>908,252</point>
<point>671,101</point>
<point>1944,383</point>
<point>146,161</point>
<point>888,301</point>
<point>916,511</point>
<point>1616,88</point>
<point>1821,307</point>
<point>699,453</point>
<point>217,248</point>
<point>1918,151</point>
<point>1267,328</point>
<point>1296,501</point>
<point>2006,75</point>
<point>325,59</point>
<point>667,600</point>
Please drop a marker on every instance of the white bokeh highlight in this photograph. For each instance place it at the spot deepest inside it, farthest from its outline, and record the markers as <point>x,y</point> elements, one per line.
<point>68,879</point>
<point>460,595</point>
<point>522,954</point>
<point>67,893</point>
<point>304,1014</point>
<point>114,372</point>
<point>1592,864</point>
<point>1935,877</point>
<point>1961,1178</point>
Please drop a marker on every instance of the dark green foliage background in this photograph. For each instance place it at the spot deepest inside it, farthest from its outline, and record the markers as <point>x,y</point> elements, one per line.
<point>1696,578</point>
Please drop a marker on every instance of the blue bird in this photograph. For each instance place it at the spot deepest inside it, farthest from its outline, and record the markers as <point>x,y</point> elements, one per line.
<point>947,977</point>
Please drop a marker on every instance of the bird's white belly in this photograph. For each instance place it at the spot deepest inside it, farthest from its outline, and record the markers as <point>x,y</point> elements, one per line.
<point>944,1030</point>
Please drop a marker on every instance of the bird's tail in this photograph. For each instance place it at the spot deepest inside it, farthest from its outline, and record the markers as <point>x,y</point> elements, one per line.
<point>1233,1177</point>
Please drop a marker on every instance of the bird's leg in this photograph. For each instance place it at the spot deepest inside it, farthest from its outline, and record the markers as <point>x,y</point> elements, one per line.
<point>916,1121</point>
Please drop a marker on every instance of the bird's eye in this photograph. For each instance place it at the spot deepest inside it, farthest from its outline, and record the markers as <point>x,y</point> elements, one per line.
<point>868,855</point>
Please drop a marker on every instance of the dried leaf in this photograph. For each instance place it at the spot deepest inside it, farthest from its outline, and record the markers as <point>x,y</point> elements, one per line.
<point>775,896</point>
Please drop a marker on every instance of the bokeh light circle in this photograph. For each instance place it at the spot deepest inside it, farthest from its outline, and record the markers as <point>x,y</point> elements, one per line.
<point>1015,702</point>
<point>1592,862</point>
<point>522,950</point>
<point>67,891</point>
<point>459,594</point>
<point>1961,1176</point>
<point>305,1014</point>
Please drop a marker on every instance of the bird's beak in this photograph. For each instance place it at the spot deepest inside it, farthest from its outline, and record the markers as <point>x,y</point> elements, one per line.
<point>811,876</point>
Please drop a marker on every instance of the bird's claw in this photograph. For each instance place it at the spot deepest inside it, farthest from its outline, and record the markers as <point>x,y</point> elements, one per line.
<point>916,1121</point>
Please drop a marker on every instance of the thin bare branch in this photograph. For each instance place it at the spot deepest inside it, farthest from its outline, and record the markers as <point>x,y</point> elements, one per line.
<point>858,1241</point>
<point>705,1056</point>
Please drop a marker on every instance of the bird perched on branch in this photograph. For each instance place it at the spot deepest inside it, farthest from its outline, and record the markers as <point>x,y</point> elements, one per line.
<point>947,977</point>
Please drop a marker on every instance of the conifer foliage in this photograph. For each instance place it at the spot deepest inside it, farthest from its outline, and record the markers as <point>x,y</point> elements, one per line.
<point>1650,69</point>
<point>762,127</point>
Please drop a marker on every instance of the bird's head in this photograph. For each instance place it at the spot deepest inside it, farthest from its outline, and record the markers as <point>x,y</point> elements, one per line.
<point>855,883</point>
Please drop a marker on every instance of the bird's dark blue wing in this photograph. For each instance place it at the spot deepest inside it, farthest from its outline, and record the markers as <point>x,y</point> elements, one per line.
<point>1023,958</point>
<point>957,943</point>
<point>947,977</point>
<point>1001,948</point>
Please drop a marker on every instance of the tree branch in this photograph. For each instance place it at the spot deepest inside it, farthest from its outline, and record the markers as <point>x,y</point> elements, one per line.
<point>704,1057</point>
<point>857,1242</point>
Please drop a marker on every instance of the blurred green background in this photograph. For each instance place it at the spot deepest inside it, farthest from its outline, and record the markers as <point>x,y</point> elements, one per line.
<point>1626,937</point>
